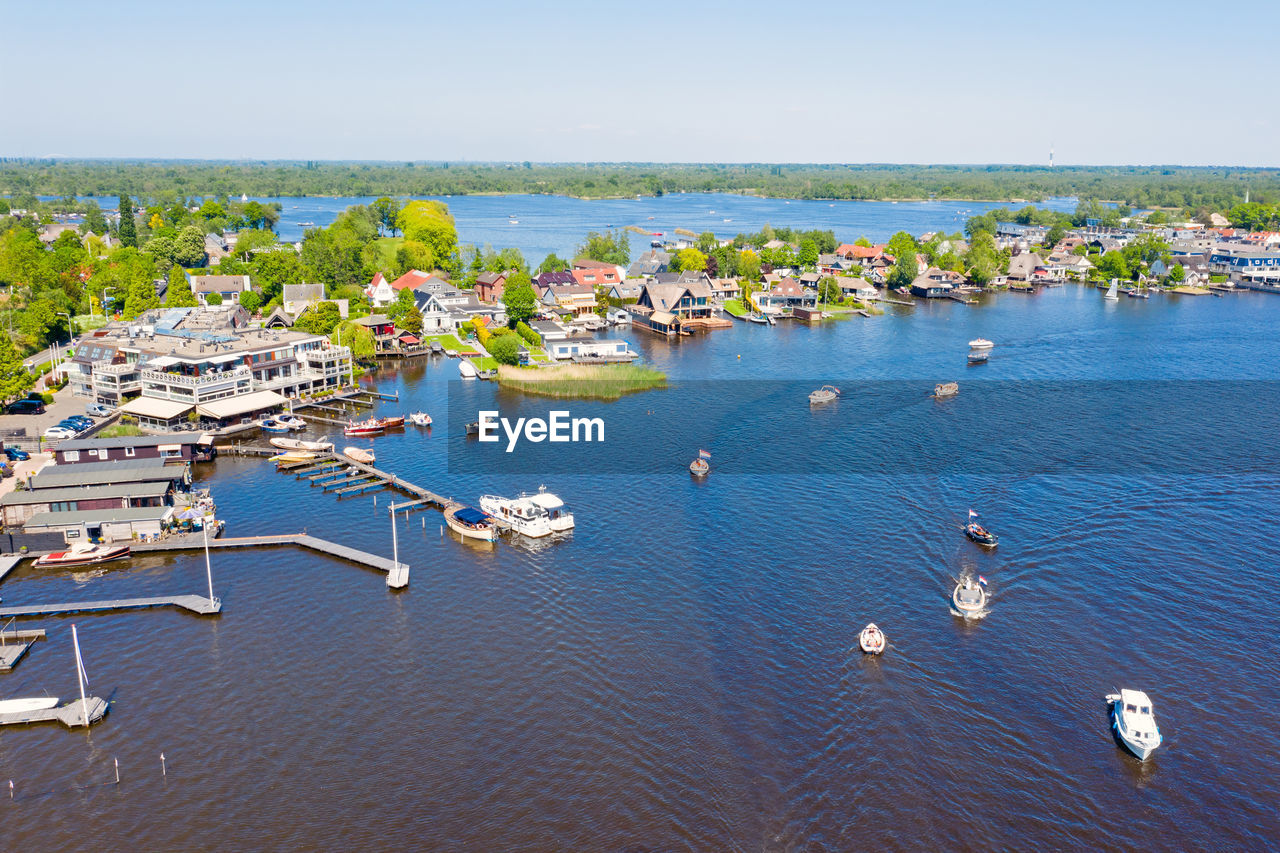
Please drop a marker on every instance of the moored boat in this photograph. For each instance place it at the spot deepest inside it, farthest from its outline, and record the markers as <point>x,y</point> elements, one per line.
<point>393,422</point>
<point>523,514</point>
<point>979,357</point>
<point>470,523</point>
<point>825,394</point>
<point>26,706</point>
<point>980,343</point>
<point>272,425</point>
<point>291,421</point>
<point>291,456</point>
<point>1133,723</point>
<point>1112,291</point>
<point>359,454</point>
<point>84,554</point>
<point>969,598</point>
<point>420,419</point>
<point>872,640</point>
<point>467,369</point>
<point>558,513</point>
<point>370,427</point>
<point>321,446</point>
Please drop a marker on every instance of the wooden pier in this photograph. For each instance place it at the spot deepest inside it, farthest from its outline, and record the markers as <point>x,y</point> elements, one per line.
<point>9,562</point>
<point>70,715</point>
<point>14,645</point>
<point>194,603</point>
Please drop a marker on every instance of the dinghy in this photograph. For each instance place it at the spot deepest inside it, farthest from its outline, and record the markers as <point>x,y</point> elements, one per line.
<point>359,454</point>
<point>322,446</point>
<point>977,533</point>
<point>872,640</point>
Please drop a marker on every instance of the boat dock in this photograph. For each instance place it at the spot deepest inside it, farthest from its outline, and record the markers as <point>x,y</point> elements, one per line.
<point>9,562</point>
<point>14,645</point>
<point>194,603</point>
<point>70,715</point>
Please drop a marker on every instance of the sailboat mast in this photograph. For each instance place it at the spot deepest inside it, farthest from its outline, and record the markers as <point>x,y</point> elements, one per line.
<point>84,703</point>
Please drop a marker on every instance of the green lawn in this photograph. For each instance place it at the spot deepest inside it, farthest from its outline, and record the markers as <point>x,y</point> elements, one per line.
<point>485,362</point>
<point>448,342</point>
<point>735,307</point>
<point>387,247</point>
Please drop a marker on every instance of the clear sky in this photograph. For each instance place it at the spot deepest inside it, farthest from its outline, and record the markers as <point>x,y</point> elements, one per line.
<point>920,82</point>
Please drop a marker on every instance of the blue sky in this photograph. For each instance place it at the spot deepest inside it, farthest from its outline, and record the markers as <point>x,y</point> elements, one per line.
<point>653,81</point>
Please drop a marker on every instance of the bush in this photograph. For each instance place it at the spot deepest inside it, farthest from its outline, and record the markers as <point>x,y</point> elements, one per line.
<point>530,336</point>
<point>47,397</point>
<point>505,349</point>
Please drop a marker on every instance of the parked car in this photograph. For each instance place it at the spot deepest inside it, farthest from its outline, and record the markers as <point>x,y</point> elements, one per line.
<point>78,420</point>
<point>15,454</point>
<point>98,410</point>
<point>25,407</point>
<point>57,433</point>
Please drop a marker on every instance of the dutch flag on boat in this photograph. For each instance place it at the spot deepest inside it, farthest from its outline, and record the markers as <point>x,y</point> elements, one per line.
<point>704,454</point>
<point>982,580</point>
<point>972,514</point>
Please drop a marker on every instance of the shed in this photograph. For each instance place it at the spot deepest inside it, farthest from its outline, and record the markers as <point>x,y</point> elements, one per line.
<point>105,525</point>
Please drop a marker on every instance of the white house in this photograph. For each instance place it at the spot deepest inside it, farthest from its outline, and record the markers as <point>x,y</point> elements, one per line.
<point>380,292</point>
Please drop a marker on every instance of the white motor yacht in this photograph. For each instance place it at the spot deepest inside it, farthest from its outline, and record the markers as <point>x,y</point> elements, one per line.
<point>1133,723</point>
<point>524,515</point>
<point>558,513</point>
<point>969,598</point>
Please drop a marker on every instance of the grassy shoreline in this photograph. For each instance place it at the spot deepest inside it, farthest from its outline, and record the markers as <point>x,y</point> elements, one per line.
<point>582,381</point>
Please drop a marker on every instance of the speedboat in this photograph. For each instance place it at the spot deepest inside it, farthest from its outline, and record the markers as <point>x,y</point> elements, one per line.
<point>26,706</point>
<point>523,514</point>
<point>369,427</point>
<point>467,369</point>
<point>1133,723</point>
<point>470,523</point>
<point>977,533</point>
<point>872,640</point>
<point>825,394</point>
<point>420,419</point>
<point>969,598</point>
<point>272,425</point>
<point>291,421</point>
<point>359,454</point>
<point>699,467</point>
<point>558,514</point>
<point>393,422</point>
<point>322,446</point>
<point>84,554</point>
<point>980,343</point>
<point>979,357</point>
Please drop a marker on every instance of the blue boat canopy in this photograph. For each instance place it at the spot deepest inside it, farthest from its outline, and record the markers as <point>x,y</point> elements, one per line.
<point>471,515</point>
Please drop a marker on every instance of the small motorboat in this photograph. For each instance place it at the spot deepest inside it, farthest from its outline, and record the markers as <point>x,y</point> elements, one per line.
<point>969,598</point>
<point>872,640</point>
<point>372,426</point>
<point>559,515</point>
<point>322,446</point>
<point>946,389</point>
<point>473,428</point>
<point>83,554</point>
<point>272,425</point>
<point>393,422</point>
<point>470,523</point>
<point>1137,294</point>
<point>359,454</point>
<point>291,456</point>
<point>1133,723</point>
<point>291,421</point>
<point>26,706</point>
<point>420,419</point>
<point>699,468</point>
<point>758,318</point>
<point>977,533</point>
<point>978,357</point>
<point>468,370</point>
<point>825,394</point>
<point>980,343</point>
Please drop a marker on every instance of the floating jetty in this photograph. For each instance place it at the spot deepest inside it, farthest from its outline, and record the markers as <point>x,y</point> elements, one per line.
<point>72,714</point>
<point>194,603</point>
<point>14,645</point>
<point>9,562</point>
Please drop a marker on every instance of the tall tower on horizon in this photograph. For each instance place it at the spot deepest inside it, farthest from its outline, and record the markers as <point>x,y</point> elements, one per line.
<point>1050,155</point>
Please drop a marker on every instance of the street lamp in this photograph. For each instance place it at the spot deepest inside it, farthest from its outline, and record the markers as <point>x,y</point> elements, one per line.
<point>104,302</point>
<point>56,345</point>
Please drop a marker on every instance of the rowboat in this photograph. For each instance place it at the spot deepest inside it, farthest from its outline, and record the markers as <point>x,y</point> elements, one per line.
<point>977,533</point>
<point>470,523</point>
<point>83,554</point>
<point>359,454</point>
<point>26,706</point>
<point>872,640</point>
<point>699,468</point>
<point>946,389</point>
<point>301,444</point>
<point>369,427</point>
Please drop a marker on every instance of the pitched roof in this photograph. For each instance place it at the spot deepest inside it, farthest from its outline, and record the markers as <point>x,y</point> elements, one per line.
<point>591,263</point>
<point>219,283</point>
<point>411,280</point>
<point>127,441</point>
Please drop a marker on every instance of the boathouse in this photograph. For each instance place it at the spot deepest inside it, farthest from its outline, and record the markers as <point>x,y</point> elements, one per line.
<point>116,473</point>
<point>18,507</point>
<point>102,525</point>
<point>170,448</point>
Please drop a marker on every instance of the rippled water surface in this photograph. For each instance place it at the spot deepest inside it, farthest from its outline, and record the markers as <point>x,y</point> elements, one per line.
<point>679,673</point>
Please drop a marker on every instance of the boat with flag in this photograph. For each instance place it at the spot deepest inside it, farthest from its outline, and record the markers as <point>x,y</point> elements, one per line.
<point>969,598</point>
<point>977,533</point>
<point>701,466</point>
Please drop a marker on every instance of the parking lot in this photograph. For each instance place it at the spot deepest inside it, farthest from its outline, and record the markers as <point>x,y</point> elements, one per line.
<point>63,406</point>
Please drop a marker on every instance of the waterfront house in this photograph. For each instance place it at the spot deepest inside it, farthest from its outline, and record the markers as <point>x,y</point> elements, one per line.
<point>591,352</point>
<point>597,274</point>
<point>490,285</point>
<point>103,525</point>
<point>19,506</point>
<point>576,299</point>
<point>114,473</point>
<point>1021,267</point>
<point>834,264</point>
<point>725,288</point>
<point>934,283</point>
<point>382,329</point>
<point>855,287</point>
<point>649,264</point>
<point>627,291</point>
<point>1060,265</point>
<point>550,330</point>
<point>379,292</point>
<point>860,254</point>
<point>785,295</point>
<point>170,448</point>
<point>686,300</point>
<point>1238,259</point>
<point>229,287</point>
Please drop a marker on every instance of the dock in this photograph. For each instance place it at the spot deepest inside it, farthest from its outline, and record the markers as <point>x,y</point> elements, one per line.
<point>9,562</point>
<point>70,715</point>
<point>14,645</point>
<point>194,603</point>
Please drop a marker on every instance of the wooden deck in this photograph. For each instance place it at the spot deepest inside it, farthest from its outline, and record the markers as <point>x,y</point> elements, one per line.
<point>9,562</point>
<point>71,714</point>
<point>194,603</point>
<point>14,645</point>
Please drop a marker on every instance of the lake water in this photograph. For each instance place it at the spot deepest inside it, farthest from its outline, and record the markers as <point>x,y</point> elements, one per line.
<point>679,674</point>
<point>556,224</point>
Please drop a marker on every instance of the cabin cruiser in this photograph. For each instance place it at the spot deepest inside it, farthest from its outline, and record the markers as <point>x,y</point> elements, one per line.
<point>825,394</point>
<point>470,523</point>
<point>558,514</point>
<point>83,554</point>
<point>980,343</point>
<point>1133,723</point>
<point>969,598</point>
<point>524,515</point>
<point>872,640</point>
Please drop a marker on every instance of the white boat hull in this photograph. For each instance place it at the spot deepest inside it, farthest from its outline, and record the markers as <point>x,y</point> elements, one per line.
<point>484,534</point>
<point>872,640</point>
<point>26,706</point>
<point>535,526</point>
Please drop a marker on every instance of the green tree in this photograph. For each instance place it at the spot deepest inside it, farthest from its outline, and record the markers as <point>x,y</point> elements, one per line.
<point>749,265</point>
<point>829,290</point>
<point>1112,265</point>
<point>863,242</point>
<point>982,261</point>
<point>250,301</point>
<point>403,302</point>
<point>359,338</point>
<point>213,299</point>
<point>612,247</point>
<point>429,223</point>
<point>141,297</point>
<point>689,259</point>
<point>188,247</point>
<point>14,378</point>
<point>904,270</point>
<point>128,232</point>
<point>249,242</point>
<point>505,349</point>
<point>808,255</point>
<point>319,319</point>
<point>414,255</point>
<point>552,263</point>
<point>520,300</point>
<point>388,211</point>
<point>95,220</point>
<point>412,320</point>
<point>179,293</point>
<point>1178,274</point>
<point>1055,234</point>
